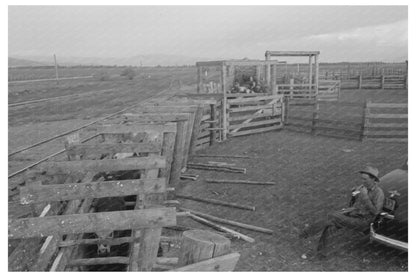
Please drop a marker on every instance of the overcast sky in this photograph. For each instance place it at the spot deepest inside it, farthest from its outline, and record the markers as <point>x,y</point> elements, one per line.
<point>341,33</point>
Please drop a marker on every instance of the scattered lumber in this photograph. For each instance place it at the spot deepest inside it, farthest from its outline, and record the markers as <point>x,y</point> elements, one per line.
<point>217,167</point>
<point>224,156</point>
<point>220,163</point>
<point>217,202</point>
<point>221,228</point>
<point>221,263</point>
<point>247,182</point>
<point>189,176</point>
<point>229,222</point>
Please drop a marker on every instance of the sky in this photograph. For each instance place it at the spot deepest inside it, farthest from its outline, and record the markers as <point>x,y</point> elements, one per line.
<point>340,33</point>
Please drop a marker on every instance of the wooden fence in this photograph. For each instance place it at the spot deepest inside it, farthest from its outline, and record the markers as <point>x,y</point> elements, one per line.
<point>357,121</point>
<point>327,91</point>
<point>386,122</point>
<point>374,82</point>
<point>250,114</point>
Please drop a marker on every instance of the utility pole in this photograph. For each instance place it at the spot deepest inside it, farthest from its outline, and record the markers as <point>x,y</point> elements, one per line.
<point>56,70</point>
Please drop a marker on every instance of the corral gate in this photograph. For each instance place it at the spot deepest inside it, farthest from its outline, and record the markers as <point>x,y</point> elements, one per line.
<point>250,113</point>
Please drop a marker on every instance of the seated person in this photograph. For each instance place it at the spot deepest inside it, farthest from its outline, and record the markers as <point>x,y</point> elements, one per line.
<point>367,203</point>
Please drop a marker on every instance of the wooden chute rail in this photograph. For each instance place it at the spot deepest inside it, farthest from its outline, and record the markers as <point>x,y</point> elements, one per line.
<point>104,208</point>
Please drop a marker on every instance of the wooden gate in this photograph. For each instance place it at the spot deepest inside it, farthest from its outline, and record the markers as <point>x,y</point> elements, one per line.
<point>250,114</point>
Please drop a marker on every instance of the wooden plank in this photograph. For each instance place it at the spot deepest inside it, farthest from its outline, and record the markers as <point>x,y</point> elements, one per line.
<point>99,261</point>
<point>387,116</point>
<point>223,156</point>
<point>405,140</point>
<point>256,123</point>
<point>291,53</point>
<point>111,148</point>
<point>61,192</point>
<point>251,108</point>
<point>91,222</point>
<point>221,263</point>
<point>230,222</point>
<point>221,228</point>
<point>203,140</point>
<point>387,133</point>
<point>388,105</point>
<point>265,113</point>
<point>247,182</point>
<point>105,165</point>
<point>254,131</point>
<point>156,117</point>
<point>168,145</point>
<point>255,99</point>
<point>387,125</point>
<point>164,108</point>
<point>178,155</point>
<point>137,128</point>
<point>196,129</point>
<point>217,202</point>
<point>235,95</point>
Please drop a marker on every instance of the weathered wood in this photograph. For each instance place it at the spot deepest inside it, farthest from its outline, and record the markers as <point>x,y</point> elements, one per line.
<point>143,254</point>
<point>92,222</point>
<point>156,117</point>
<point>178,155</point>
<point>398,116</point>
<point>213,120</point>
<point>247,182</point>
<point>200,245</point>
<point>61,192</point>
<point>111,241</point>
<point>168,145</point>
<point>256,123</point>
<point>221,263</point>
<point>217,202</point>
<point>196,129</point>
<point>259,130</point>
<point>137,128</point>
<point>111,148</point>
<point>104,165</point>
<point>290,53</point>
<point>216,168</point>
<point>99,261</point>
<point>253,99</point>
<point>221,228</point>
<point>21,257</point>
<point>224,156</point>
<point>230,222</point>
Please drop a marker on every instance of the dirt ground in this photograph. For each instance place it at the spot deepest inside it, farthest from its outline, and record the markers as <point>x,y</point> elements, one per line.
<point>313,176</point>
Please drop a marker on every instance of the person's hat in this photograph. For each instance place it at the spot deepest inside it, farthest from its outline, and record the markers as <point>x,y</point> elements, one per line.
<point>370,171</point>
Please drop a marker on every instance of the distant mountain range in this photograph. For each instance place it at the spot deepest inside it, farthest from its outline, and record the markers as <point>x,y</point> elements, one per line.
<point>139,60</point>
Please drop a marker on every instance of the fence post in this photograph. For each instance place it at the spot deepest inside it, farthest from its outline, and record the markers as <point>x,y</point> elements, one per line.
<point>315,117</point>
<point>199,79</point>
<point>213,133</point>
<point>224,102</point>
<point>273,79</point>
<point>366,112</point>
<point>291,88</point>
<point>360,81</point>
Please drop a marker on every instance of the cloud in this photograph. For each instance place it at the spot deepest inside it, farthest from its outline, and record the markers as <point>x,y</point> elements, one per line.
<point>381,34</point>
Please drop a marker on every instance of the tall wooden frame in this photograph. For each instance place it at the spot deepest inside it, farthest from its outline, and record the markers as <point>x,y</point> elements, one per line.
<point>313,73</point>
